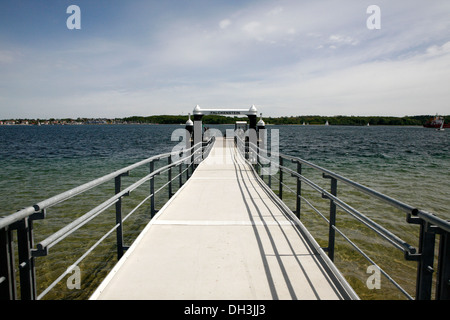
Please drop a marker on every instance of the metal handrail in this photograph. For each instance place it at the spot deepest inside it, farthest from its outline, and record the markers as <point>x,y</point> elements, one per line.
<point>22,220</point>
<point>76,224</point>
<point>429,223</point>
<point>115,227</point>
<point>429,217</point>
<point>26,212</point>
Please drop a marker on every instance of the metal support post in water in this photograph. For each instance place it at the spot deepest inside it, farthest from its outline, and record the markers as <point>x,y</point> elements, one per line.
<point>261,171</point>
<point>7,266</point>
<point>246,148</point>
<point>331,231</point>
<point>299,190</point>
<point>152,190</point>
<point>425,264</point>
<point>280,185</point>
<point>26,261</point>
<point>443,276</point>
<point>270,175</point>
<point>119,230</point>
<point>192,162</point>
<point>187,171</point>
<point>169,162</point>
<point>180,176</point>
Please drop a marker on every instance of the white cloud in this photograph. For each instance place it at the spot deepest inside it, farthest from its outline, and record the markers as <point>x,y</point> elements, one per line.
<point>223,24</point>
<point>6,57</point>
<point>341,39</point>
<point>292,57</point>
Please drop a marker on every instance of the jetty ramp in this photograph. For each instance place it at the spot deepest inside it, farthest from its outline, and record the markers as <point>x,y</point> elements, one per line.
<point>224,235</point>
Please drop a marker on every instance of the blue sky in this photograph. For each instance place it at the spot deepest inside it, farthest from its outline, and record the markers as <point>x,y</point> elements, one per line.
<point>164,57</point>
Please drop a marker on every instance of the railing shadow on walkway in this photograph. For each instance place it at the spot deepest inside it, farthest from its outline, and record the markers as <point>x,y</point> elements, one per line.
<point>252,182</point>
<point>428,280</point>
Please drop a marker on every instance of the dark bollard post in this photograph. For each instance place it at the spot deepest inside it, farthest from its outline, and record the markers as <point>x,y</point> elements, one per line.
<point>425,264</point>
<point>152,190</point>
<point>331,231</point>
<point>280,185</point>
<point>180,174</point>
<point>7,266</point>
<point>443,274</point>
<point>299,191</point>
<point>270,175</point>
<point>119,230</point>
<point>169,178</point>
<point>26,261</point>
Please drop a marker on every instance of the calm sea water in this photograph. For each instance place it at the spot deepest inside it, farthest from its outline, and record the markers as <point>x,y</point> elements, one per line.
<point>408,163</point>
<point>39,162</point>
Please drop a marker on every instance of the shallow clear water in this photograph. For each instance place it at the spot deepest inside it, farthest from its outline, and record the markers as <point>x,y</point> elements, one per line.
<point>407,163</point>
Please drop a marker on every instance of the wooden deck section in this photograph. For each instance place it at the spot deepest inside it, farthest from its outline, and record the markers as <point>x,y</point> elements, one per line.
<point>224,235</point>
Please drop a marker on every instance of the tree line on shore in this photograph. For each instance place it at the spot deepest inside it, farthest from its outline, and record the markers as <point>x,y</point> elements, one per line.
<point>294,120</point>
<point>218,119</point>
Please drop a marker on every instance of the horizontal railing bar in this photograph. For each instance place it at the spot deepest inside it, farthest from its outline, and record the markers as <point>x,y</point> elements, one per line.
<point>84,255</point>
<point>373,263</point>
<point>73,226</point>
<point>439,225</point>
<point>68,229</point>
<point>51,286</point>
<point>355,216</point>
<point>434,220</point>
<point>26,212</point>
<point>393,239</point>
<point>343,206</point>
<point>367,190</point>
<point>401,244</point>
<point>429,217</point>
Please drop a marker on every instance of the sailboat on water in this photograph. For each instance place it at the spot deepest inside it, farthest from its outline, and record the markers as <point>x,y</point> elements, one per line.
<point>441,128</point>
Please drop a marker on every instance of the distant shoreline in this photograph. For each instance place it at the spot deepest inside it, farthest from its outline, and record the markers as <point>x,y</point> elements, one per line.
<point>216,119</point>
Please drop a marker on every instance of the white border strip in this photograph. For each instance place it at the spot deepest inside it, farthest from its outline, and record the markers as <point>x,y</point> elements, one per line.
<point>223,223</point>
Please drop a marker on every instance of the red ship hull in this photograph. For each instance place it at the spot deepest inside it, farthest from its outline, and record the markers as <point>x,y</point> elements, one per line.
<point>437,126</point>
<point>436,123</point>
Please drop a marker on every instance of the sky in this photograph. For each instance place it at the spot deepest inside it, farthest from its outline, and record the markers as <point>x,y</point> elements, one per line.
<point>286,57</point>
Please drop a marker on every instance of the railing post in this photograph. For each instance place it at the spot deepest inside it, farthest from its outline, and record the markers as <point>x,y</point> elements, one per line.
<point>26,261</point>
<point>180,176</point>
<point>280,185</point>
<point>261,170</point>
<point>246,148</point>
<point>152,190</point>
<point>119,230</point>
<point>192,162</point>
<point>425,264</point>
<point>7,267</point>
<point>270,175</point>
<point>299,190</point>
<point>331,231</point>
<point>169,162</point>
<point>443,274</point>
<point>187,171</point>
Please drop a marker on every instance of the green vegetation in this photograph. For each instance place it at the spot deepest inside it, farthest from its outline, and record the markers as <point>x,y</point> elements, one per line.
<point>212,119</point>
<point>317,120</point>
<point>216,119</point>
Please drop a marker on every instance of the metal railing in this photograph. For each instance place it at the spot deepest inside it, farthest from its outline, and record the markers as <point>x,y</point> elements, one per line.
<point>21,222</point>
<point>430,225</point>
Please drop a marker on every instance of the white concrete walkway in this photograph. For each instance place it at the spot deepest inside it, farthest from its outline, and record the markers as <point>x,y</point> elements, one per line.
<point>222,236</point>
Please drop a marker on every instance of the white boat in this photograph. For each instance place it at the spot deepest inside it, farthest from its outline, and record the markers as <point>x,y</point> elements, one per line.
<point>441,128</point>
<point>326,123</point>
